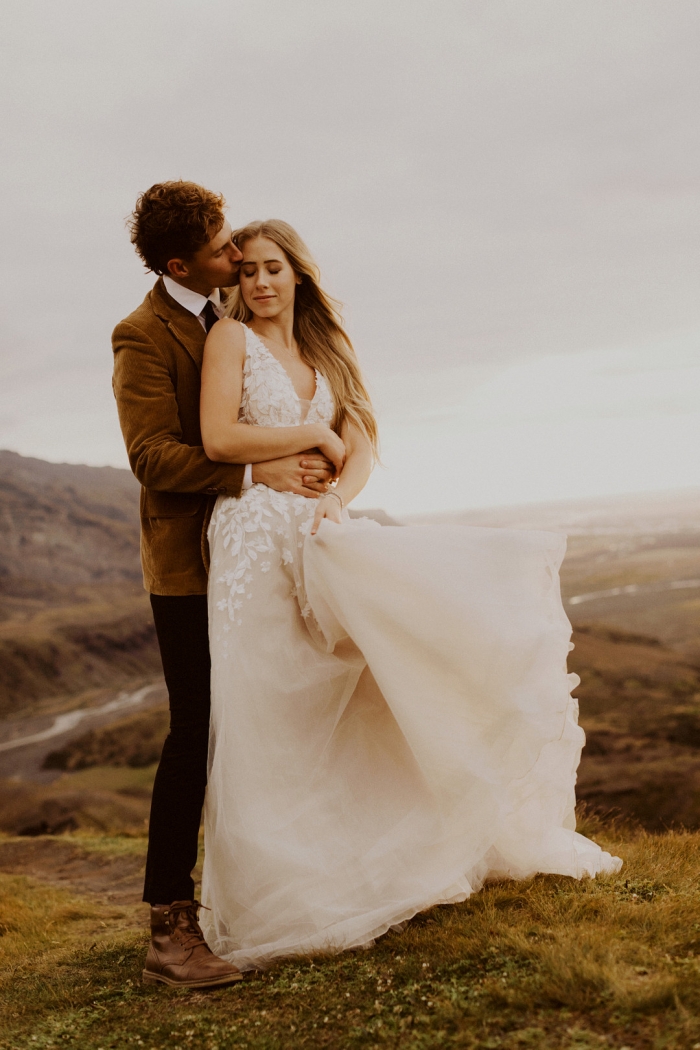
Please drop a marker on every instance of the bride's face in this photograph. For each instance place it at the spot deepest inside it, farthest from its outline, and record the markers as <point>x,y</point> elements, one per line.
<point>267,281</point>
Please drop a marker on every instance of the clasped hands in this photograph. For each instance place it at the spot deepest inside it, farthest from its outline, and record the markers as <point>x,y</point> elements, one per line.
<point>305,473</point>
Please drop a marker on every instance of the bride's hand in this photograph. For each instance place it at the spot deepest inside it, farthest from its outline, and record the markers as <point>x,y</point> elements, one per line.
<point>327,506</point>
<point>332,447</point>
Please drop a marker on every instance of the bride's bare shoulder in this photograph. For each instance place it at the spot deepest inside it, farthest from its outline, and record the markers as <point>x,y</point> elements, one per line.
<point>225,337</point>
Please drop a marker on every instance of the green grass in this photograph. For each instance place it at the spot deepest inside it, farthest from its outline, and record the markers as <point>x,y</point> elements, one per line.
<point>546,963</point>
<point>110,778</point>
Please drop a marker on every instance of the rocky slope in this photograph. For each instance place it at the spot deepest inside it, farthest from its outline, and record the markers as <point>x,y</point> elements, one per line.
<point>63,525</point>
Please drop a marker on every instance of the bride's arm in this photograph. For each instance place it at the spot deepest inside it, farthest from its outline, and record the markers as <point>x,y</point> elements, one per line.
<point>226,440</point>
<point>354,476</point>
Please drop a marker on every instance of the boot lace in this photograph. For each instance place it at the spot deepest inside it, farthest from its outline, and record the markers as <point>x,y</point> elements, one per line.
<point>184,918</point>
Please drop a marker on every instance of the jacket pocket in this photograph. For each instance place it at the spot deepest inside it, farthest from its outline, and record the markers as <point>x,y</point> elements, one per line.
<point>170,504</point>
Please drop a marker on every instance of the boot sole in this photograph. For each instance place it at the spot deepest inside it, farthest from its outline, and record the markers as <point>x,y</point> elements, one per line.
<point>156,978</point>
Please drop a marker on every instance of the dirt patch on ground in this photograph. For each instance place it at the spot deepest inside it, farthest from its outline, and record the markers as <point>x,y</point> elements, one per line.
<point>114,878</point>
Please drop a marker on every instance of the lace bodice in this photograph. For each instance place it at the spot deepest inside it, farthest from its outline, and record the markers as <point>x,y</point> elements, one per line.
<point>269,398</point>
<point>263,529</point>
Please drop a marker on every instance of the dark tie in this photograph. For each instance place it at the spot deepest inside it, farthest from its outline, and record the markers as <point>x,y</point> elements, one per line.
<point>210,315</point>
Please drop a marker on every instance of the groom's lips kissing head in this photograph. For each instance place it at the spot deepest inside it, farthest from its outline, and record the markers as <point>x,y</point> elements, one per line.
<point>215,265</point>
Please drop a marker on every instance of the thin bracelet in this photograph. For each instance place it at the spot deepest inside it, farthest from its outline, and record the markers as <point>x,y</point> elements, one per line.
<point>332,492</point>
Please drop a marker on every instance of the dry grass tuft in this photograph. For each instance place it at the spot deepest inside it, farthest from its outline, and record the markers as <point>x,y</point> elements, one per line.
<point>34,918</point>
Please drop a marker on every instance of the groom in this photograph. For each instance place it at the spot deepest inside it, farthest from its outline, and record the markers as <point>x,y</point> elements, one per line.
<point>180,232</point>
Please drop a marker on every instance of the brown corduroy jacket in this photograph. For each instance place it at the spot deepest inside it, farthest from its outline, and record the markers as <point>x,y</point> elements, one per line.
<point>158,353</point>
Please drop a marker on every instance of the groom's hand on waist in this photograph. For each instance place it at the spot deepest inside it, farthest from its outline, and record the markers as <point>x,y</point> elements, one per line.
<point>306,473</point>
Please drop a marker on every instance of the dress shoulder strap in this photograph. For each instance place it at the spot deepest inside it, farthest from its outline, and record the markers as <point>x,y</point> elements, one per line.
<point>253,344</point>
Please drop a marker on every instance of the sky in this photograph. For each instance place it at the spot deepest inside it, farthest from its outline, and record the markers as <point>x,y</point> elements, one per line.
<point>505,195</point>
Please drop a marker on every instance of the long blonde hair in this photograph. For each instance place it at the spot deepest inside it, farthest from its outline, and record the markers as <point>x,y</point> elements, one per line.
<point>318,329</point>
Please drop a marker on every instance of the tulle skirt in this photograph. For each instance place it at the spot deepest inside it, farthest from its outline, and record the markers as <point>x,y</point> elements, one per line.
<point>391,724</point>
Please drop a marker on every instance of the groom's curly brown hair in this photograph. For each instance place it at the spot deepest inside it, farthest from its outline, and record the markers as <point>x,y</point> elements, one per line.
<point>173,220</point>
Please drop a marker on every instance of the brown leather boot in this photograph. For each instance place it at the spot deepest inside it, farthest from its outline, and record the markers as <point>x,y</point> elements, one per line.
<point>179,955</point>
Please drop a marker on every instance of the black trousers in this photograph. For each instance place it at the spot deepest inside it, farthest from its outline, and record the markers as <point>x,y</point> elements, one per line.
<point>178,792</point>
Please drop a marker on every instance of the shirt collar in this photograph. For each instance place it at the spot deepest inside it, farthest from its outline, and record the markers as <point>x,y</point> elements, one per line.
<point>192,301</point>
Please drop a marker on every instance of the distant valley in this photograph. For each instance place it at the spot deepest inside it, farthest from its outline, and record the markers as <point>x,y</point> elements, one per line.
<point>75,629</point>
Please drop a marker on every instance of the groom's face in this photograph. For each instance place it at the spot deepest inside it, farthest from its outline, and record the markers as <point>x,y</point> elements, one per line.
<point>215,265</point>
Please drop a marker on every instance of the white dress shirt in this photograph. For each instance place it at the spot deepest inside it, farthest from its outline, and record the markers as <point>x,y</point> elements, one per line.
<point>195,303</point>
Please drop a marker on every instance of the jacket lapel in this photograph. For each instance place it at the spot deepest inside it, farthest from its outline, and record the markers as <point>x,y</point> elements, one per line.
<point>181,324</point>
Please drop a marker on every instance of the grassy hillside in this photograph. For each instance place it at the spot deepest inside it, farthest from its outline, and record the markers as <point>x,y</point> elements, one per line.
<point>640,707</point>
<point>548,963</point>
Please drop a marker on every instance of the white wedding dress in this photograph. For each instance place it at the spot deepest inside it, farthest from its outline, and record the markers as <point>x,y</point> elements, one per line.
<point>391,714</point>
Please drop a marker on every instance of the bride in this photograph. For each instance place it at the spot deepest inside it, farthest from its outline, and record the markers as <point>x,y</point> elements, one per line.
<point>391,714</point>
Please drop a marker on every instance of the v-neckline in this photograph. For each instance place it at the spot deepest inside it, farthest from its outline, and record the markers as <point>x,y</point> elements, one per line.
<point>301,400</point>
